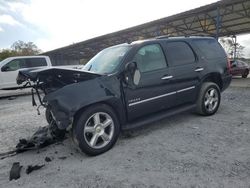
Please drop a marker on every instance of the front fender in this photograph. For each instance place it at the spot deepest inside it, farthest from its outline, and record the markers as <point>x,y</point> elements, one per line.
<point>67,101</point>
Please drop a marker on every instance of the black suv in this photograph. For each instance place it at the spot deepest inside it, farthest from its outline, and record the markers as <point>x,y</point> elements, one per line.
<point>129,85</point>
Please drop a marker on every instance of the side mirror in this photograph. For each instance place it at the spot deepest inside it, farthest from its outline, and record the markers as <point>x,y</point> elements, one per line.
<point>5,68</point>
<point>132,74</point>
<point>130,67</point>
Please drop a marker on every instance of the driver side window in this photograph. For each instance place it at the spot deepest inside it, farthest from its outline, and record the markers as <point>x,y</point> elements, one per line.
<point>14,65</point>
<point>150,58</point>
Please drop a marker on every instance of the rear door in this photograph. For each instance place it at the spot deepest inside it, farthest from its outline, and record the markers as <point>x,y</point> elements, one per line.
<point>153,91</point>
<point>184,69</point>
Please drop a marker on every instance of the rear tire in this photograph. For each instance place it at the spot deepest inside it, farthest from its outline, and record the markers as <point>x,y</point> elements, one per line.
<point>96,129</point>
<point>245,74</point>
<point>209,99</point>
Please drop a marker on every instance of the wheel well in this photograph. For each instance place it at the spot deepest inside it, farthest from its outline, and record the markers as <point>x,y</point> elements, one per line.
<point>216,78</point>
<point>81,110</point>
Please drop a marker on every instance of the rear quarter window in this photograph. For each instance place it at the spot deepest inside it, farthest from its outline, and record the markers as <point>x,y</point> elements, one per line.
<point>210,48</point>
<point>36,62</point>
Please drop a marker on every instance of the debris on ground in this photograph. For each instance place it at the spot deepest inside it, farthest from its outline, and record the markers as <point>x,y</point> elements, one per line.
<point>31,168</point>
<point>12,98</point>
<point>15,171</point>
<point>7,154</point>
<point>43,137</point>
<point>62,158</point>
<point>48,159</point>
<point>241,123</point>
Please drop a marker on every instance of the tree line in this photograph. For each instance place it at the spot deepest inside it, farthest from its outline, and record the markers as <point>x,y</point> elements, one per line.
<point>20,48</point>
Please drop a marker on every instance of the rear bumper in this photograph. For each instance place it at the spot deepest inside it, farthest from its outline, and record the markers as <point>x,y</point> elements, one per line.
<point>226,80</point>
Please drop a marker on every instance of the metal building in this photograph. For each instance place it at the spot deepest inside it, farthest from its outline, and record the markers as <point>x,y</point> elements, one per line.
<point>223,18</point>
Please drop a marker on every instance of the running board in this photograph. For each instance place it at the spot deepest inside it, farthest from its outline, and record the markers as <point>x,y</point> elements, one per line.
<point>157,116</point>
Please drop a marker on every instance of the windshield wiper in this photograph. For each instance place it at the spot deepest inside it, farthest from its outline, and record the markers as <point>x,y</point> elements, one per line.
<point>89,67</point>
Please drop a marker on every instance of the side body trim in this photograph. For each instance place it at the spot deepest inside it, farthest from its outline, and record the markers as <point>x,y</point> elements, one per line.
<point>160,96</point>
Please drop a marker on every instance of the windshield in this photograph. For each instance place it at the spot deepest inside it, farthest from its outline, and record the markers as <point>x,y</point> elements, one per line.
<point>107,60</point>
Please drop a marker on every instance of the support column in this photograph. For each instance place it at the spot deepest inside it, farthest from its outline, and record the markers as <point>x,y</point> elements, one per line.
<point>218,23</point>
<point>234,39</point>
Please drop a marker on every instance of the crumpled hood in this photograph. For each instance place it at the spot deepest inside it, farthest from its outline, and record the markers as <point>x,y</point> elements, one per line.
<point>54,77</point>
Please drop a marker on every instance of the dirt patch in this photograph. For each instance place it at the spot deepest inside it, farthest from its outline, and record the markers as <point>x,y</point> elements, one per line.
<point>182,151</point>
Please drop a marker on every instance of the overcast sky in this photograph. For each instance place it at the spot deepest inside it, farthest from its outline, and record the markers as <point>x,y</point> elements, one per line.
<point>52,24</point>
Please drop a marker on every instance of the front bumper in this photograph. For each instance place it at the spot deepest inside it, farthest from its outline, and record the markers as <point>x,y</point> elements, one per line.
<point>62,119</point>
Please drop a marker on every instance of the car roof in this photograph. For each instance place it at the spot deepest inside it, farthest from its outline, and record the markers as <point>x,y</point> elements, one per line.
<point>167,38</point>
<point>21,57</point>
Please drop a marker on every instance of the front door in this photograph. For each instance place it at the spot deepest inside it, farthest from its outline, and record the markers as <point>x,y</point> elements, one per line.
<point>153,91</point>
<point>9,72</point>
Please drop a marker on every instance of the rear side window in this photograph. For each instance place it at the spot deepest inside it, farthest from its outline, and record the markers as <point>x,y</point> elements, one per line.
<point>36,62</point>
<point>179,53</point>
<point>210,48</point>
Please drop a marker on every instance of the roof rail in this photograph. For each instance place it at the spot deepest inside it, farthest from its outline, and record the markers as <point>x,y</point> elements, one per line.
<point>163,36</point>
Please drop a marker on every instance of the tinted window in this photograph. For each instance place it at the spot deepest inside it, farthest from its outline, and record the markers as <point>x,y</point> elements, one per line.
<point>210,48</point>
<point>242,63</point>
<point>150,58</point>
<point>36,62</point>
<point>179,53</point>
<point>14,65</point>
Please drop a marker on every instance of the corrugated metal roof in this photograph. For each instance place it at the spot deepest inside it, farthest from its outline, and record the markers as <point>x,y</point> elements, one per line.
<point>231,17</point>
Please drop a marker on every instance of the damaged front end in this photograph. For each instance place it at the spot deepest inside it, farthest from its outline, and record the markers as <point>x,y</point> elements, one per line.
<point>56,90</point>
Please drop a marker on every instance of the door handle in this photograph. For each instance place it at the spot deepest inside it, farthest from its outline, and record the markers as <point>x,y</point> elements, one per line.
<point>166,77</point>
<point>199,69</point>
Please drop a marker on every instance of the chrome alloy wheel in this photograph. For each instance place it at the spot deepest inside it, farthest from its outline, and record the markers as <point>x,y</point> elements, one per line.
<point>99,130</point>
<point>211,99</point>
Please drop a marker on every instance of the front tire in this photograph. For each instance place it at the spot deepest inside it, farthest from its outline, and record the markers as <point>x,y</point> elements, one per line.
<point>209,99</point>
<point>96,129</point>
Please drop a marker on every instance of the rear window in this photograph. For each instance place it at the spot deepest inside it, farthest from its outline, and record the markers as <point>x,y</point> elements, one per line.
<point>210,48</point>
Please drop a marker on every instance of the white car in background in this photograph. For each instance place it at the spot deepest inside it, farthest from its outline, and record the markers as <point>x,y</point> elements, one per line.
<point>10,67</point>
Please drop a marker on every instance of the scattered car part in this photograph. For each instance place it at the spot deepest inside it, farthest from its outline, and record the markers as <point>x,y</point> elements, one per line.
<point>31,168</point>
<point>15,171</point>
<point>48,159</point>
<point>43,137</point>
<point>62,158</point>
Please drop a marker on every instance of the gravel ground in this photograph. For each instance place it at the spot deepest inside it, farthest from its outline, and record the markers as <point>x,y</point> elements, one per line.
<point>186,150</point>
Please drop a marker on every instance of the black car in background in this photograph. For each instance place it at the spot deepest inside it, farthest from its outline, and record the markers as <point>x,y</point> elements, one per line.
<point>130,85</point>
<point>239,68</point>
